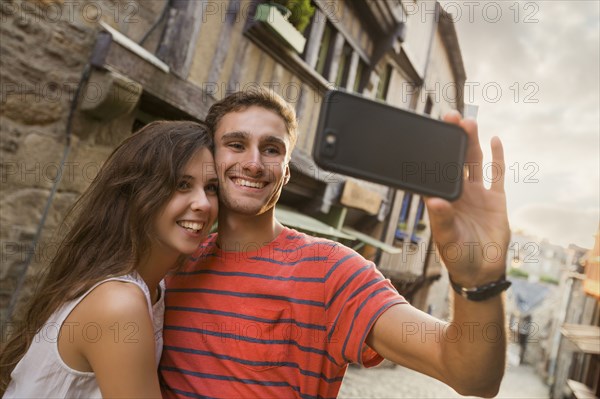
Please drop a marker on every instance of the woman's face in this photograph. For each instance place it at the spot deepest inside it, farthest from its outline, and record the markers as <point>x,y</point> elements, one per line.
<point>189,214</point>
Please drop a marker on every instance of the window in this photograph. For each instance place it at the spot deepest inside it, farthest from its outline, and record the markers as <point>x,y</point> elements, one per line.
<point>341,79</point>
<point>384,83</point>
<point>419,225</point>
<point>428,106</point>
<point>360,68</point>
<point>325,50</point>
<point>401,230</point>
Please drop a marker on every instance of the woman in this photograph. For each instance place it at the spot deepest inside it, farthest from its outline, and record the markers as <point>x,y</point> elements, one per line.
<point>94,327</point>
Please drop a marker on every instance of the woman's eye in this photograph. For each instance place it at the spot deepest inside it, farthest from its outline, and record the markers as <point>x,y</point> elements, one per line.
<point>183,185</point>
<point>212,188</point>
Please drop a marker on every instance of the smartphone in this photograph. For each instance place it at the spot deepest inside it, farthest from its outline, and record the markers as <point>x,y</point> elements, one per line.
<point>374,141</point>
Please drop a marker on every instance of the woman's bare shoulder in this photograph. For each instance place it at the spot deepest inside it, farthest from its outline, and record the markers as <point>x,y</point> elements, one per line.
<point>113,301</point>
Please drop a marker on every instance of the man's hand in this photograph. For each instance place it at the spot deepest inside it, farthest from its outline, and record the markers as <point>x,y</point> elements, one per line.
<point>472,233</point>
<point>472,237</point>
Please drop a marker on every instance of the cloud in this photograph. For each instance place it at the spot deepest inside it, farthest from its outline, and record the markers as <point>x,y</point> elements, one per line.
<point>554,61</point>
<point>562,226</point>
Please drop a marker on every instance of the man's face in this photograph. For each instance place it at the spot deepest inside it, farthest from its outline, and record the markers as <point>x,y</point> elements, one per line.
<point>251,154</point>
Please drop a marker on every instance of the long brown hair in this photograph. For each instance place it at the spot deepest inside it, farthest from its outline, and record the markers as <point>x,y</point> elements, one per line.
<point>111,224</point>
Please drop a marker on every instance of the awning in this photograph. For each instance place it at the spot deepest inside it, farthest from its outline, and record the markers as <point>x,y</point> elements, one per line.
<point>372,241</point>
<point>585,337</point>
<point>580,390</point>
<point>292,218</point>
<point>297,220</point>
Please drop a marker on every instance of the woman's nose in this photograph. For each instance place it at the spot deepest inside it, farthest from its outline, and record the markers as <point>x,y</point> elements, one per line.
<point>200,202</point>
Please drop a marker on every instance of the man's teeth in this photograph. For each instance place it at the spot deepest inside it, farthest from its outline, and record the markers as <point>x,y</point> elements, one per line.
<point>191,225</point>
<point>247,183</point>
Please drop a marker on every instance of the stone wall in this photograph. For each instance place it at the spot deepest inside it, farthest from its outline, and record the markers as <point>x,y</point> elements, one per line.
<point>45,46</point>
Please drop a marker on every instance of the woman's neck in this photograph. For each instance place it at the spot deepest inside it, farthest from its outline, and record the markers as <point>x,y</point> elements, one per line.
<point>153,269</point>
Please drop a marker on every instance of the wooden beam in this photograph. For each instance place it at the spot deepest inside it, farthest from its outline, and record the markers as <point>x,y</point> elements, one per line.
<point>178,43</point>
<point>167,87</point>
<point>311,54</point>
<point>272,47</point>
<point>222,49</point>
<point>339,26</point>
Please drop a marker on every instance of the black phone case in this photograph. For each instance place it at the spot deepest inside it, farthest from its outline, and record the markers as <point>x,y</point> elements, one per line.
<point>374,141</point>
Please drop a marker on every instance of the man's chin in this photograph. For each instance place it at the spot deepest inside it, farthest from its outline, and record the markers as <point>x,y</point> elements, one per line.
<point>245,209</point>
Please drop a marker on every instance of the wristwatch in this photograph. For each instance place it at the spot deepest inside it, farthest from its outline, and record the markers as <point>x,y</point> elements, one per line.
<point>482,292</point>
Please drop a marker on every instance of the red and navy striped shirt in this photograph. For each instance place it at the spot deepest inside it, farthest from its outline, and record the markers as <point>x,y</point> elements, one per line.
<point>280,320</point>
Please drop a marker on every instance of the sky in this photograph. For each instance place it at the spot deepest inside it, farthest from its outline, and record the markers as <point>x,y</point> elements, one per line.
<point>533,70</point>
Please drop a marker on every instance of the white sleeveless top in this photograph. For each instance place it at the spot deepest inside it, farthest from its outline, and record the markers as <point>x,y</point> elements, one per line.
<point>42,372</point>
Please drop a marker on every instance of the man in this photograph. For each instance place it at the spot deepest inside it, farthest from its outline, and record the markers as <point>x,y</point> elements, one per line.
<point>264,311</point>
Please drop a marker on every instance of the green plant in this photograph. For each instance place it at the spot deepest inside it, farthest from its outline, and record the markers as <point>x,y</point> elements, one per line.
<point>302,12</point>
<point>518,273</point>
<point>549,280</point>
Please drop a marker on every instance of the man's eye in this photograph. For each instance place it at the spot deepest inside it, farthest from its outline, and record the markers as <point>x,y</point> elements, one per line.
<point>272,151</point>
<point>236,146</point>
<point>212,188</point>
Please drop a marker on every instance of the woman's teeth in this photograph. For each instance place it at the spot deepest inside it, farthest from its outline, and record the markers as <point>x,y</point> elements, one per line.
<point>193,226</point>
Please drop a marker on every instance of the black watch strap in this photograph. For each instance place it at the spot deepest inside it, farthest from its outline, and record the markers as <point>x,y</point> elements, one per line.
<point>482,292</point>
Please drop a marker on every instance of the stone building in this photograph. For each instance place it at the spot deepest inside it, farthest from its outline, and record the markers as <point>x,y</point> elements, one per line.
<point>78,76</point>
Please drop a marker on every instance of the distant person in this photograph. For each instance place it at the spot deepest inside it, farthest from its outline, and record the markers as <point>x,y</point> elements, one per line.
<point>264,311</point>
<point>152,203</point>
<point>524,330</point>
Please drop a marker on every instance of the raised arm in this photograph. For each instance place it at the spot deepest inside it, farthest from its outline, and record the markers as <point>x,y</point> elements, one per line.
<point>471,235</point>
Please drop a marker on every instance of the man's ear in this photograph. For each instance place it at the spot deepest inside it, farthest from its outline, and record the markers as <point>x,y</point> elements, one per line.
<point>287,174</point>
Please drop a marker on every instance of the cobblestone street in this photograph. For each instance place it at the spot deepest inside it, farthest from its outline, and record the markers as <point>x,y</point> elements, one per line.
<point>399,382</point>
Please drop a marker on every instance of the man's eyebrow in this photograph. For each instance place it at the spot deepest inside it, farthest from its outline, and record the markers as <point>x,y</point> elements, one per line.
<point>274,140</point>
<point>235,135</point>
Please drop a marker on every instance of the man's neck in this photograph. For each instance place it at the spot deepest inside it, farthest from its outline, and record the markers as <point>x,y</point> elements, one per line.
<point>237,232</point>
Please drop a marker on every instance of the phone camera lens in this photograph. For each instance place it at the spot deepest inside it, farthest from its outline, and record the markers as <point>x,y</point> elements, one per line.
<point>329,145</point>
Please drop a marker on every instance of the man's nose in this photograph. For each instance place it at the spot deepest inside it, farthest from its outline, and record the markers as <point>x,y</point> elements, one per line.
<point>253,164</point>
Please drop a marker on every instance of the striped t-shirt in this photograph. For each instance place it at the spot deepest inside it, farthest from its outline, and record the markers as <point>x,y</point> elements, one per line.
<point>281,320</point>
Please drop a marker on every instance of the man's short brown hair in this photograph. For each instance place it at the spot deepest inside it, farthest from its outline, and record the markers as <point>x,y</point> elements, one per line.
<point>256,96</point>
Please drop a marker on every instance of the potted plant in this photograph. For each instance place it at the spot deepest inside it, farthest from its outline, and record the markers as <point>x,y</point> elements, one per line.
<point>287,19</point>
<point>286,12</point>
<point>300,12</point>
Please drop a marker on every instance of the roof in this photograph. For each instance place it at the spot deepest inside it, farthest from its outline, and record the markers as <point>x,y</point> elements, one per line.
<point>526,295</point>
<point>449,37</point>
<point>585,337</point>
